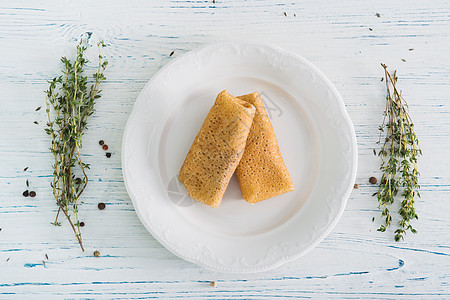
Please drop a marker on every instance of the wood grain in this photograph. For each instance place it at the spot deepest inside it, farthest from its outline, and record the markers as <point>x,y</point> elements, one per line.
<point>354,261</point>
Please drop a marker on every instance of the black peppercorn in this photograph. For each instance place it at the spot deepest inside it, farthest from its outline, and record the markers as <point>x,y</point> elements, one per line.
<point>101,142</point>
<point>108,154</point>
<point>81,224</point>
<point>25,194</point>
<point>32,194</point>
<point>101,206</point>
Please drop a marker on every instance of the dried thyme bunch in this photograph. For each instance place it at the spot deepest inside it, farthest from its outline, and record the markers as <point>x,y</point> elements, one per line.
<point>399,153</point>
<point>69,104</point>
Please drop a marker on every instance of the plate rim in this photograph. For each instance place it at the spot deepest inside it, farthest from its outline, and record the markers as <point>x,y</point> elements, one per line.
<point>346,118</point>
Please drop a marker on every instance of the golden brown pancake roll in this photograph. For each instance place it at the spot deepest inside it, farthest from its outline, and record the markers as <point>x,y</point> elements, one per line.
<point>261,172</point>
<point>217,149</point>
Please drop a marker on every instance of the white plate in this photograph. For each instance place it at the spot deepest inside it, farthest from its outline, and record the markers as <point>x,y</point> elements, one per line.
<point>316,139</point>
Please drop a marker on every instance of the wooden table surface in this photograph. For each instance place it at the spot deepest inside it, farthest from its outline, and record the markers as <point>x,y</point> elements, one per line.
<point>345,39</point>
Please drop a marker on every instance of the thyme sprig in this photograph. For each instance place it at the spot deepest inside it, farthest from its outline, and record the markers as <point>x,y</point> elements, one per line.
<point>399,153</point>
<point>69,104</point>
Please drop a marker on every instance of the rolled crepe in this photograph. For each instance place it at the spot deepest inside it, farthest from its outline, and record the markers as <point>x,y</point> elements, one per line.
<point>217,149</point>
<point>261,172</point>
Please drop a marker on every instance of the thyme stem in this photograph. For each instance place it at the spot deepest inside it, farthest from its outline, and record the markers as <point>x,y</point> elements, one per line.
<point>399,150</point>
<point>69,103</point>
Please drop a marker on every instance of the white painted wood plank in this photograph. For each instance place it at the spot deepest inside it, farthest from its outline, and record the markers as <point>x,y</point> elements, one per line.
<point>354,261</point>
